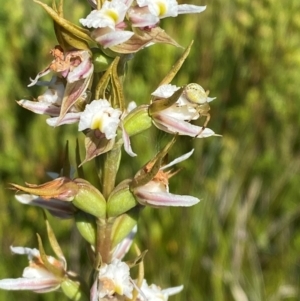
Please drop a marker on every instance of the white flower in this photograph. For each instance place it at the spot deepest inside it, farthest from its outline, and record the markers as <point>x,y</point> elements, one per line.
<point>149,12</point>
<point>161,8</point>
<point>55,92</point>
<point>155,293</point>
<point>156,192</point>
<point>114,278</point>
<point>111,14</point>
<point>48,103</point>
<point>177,117</point>
<point>108,37</point>
<point>100,115</point>
<point>108,23</point>
<point>36,277</point>
<point>72,65</point>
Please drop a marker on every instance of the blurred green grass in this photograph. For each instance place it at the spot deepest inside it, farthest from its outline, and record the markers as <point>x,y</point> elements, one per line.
<point>242,242</point>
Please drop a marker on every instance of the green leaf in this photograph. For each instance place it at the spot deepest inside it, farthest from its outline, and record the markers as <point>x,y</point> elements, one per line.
<point>117,100</point>
<point>68,26</point>
<point>169,77</point>
<point>108,166</point>
<point>69,41</point>
<point>53,241</point>
<point>80,172</point>
<point>66,170</point>
<point>104,81</point>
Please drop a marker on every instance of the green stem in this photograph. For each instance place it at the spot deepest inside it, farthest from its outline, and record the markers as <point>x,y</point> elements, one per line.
<point>108,165</point>
<point>103,244</point>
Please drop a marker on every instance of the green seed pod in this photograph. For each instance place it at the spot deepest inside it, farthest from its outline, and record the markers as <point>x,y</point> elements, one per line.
<point>72,290</point>
<point>124,224</point>
<point>86,225</point>
<point>137,121</point>
<point>89,199</point>
<point>120,200</point>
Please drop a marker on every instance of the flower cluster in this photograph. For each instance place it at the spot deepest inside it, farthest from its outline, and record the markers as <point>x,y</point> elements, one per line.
<point>86,88</point>
<point>110,21</point>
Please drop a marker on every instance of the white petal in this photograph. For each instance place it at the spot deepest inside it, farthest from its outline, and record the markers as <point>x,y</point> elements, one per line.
<point>163,199</point>
<point>115,278</point>
<point>165,91</point>
<point>31,253</point>
<point>25,198</point>
<point>153,292</point>
<point>83,70</point>
<point>94,291</point>
<point>96,19</point>
<point>190,9</point>
<point>178,160</point>
<point>37,273</point>
<point>132,105</point>
<point>127,144</point>
<point>141,17</point>
<point>100,115</point>
<point>209,99</point>
<point>39,107</point>
<point>68,119</point>
<point>113,38</point>
<point>40,74</point>
<point>181,111</point>
<point>173,126</point>
<point>123,247</point>
<point>163,8</point>
<point>111,14</point>
<point>37,285</point>
<point>172,290</point>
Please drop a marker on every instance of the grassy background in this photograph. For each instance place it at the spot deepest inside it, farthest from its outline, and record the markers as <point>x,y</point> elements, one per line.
<point>242,242</point>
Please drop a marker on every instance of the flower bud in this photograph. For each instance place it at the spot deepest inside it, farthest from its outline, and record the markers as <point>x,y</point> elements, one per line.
<point>89,199</point>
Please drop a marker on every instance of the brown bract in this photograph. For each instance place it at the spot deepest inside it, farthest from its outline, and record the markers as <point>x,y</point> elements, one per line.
<point>61,188</point>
